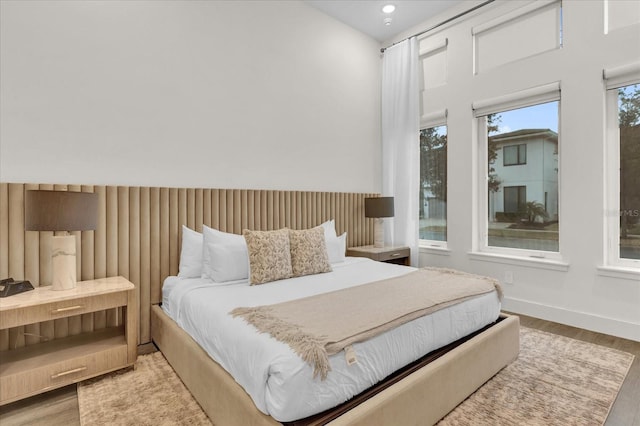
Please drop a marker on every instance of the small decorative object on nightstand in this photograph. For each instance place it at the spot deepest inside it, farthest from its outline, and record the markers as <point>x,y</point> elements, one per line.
<point>398,255</point>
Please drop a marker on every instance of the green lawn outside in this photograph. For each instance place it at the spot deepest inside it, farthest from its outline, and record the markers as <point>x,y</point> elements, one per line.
<point>549,233</point>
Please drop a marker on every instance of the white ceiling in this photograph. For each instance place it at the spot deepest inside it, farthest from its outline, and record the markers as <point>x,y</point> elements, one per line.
<point>367,16</point>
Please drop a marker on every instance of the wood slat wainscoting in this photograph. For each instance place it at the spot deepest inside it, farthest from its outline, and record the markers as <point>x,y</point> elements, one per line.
<point>139,238</point>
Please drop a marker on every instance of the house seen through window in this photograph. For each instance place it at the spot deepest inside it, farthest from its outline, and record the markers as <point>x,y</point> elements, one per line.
<point>522,189</point>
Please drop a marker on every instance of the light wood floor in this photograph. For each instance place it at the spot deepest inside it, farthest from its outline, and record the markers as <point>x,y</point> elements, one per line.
<point>60,407</point>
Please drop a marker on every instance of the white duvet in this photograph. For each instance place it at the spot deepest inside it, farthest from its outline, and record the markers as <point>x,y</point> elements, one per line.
<point>278,381</point>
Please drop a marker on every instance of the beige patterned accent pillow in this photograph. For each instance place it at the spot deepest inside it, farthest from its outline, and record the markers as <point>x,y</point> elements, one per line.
<point>308,252</point>
<point>269,255</point>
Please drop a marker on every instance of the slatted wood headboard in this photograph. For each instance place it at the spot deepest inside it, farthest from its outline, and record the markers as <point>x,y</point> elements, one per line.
<point>139,237</point>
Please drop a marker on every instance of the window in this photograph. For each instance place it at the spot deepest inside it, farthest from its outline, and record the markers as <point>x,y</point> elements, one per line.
<point>523,201</point>
<point>623,169</point>
<point>537,26</point>
<point>515,198</point>
<point>433,183</point>
<point>519,205</point>
<point>515,155</point>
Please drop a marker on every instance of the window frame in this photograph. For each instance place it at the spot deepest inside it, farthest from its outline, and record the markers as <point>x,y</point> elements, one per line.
<point>427,121</point>
<point>481,109</point>
<point>612,176</point>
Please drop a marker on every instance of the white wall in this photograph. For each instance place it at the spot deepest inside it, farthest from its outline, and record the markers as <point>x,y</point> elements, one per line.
<point>580,294</point>
<point>229,94</point>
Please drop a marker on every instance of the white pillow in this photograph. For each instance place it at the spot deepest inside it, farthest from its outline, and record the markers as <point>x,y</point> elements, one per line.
<point>329,229</point>
<point>225,256</point>
<point>336,248</point>
<point>226,262</point>
<point>190,254</point>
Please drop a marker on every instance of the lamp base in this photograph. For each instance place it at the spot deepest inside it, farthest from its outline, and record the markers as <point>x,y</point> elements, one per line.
<point>63,259</point>
<point>378,233</point>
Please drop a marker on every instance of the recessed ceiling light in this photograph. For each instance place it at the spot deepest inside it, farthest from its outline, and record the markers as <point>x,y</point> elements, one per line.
<point>388,8</point>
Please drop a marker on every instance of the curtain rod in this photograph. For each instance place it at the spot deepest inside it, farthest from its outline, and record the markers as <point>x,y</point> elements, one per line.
<point>446,21</point>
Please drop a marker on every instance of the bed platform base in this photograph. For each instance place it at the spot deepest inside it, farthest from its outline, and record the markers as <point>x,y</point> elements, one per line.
<point>420,395</point>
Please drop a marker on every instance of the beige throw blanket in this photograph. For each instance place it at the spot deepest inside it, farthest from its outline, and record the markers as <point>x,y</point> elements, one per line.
<point>322,325</point>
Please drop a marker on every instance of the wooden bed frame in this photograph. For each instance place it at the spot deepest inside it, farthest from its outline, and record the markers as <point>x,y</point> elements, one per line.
<point>422,397</point>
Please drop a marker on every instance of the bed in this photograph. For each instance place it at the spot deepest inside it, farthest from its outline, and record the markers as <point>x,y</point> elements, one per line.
<point>141,228</point>
<point>244,378</point>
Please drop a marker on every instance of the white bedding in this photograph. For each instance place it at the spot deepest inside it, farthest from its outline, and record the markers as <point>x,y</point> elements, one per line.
<point>278,381</point>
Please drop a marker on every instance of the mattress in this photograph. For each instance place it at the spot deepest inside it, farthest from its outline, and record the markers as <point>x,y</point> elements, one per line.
<point>280,383</point>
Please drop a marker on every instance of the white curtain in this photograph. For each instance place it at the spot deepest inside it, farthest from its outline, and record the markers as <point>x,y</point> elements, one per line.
<point>400,143</point>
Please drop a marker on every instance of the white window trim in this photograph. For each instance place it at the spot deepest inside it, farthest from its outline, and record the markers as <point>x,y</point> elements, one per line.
<point>612,259</point>
<point>432,45</point>
<point>632,274</point>
<point>513,15</point>
<point>551,264</point>
<point>433,119</point>
<point>524,98</point>
<point>624,75</point>
<point>430,247</point>
<point>607,30</point>
<point>530,8</point>
<point>521,99</point>
<point>427,121</point>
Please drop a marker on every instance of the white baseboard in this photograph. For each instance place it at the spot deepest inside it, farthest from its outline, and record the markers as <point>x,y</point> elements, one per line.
<point>600,324</point>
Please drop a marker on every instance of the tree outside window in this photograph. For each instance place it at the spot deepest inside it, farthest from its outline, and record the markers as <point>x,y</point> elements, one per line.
<point>629,123</point>
<point>433,183</point>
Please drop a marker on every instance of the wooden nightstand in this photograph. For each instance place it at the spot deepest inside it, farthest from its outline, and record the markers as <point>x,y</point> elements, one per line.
<point>51,364</point>
<point>398,255</point>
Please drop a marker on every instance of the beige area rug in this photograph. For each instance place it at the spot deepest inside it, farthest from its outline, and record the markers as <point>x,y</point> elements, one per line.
<point>554,381</point>
<point>150,395</point>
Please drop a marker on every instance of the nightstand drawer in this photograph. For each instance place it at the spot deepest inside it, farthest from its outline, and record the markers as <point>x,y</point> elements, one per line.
<point>61,309</point>
<point>38,368</point>
<point>391,255</point>
<point>52,376</point>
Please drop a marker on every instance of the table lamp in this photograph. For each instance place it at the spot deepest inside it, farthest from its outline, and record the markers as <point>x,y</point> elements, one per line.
<point>61,211</point>
<point>378,208</point>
